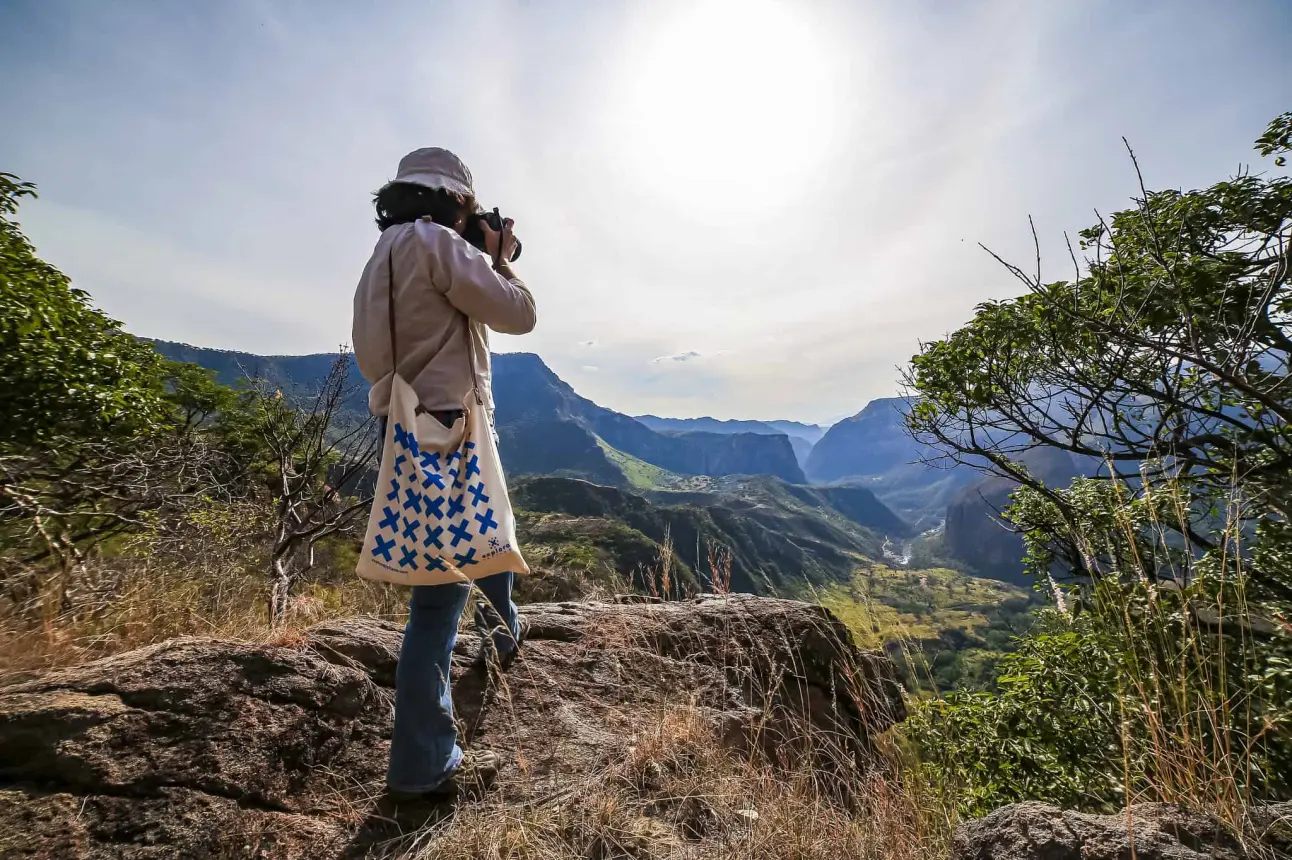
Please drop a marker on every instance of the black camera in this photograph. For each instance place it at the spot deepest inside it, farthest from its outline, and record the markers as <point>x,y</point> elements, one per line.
<point>474,231</point>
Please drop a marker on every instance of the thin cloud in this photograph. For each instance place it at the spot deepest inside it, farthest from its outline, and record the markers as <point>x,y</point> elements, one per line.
<point>690,355</point>
<point>591,368</point>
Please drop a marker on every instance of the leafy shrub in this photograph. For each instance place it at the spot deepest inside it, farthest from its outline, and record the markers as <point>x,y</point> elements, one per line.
<point>1045,733</point>
<point>1145,693</point>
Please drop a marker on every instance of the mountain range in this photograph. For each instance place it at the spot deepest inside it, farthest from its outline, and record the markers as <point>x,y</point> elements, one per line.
<point>872,448</point>
<point>864,470</point>
<point>544,426</point>
<point>802,436</point>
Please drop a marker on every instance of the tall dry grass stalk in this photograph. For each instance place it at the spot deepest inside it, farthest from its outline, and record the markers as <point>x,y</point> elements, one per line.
<point>1198,661</point>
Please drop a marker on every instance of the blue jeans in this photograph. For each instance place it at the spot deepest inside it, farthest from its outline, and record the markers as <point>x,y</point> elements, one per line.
<point>424,749</point>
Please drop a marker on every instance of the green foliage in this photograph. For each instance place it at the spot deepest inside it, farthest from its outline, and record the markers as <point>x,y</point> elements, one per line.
<point>1046,733</point>
<point>195,397</point>
<point>1165,671</point>
<point>1277,138</point>
<point>1147,693</point>
<point>1165,361</point>
<point>65,367</point>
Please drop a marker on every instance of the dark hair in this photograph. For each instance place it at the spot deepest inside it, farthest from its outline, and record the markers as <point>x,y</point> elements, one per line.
<point>404,202</point>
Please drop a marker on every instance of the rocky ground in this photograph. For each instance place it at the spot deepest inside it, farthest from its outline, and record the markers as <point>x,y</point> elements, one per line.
<point>201,748</point>
<point>198,748</point>
<point>1148,831</point>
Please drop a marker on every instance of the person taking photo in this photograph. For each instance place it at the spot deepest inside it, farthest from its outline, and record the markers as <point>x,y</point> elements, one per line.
<point>447,294</point>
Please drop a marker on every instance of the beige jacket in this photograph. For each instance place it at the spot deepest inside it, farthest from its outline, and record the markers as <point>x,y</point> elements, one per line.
<point>444,288</point>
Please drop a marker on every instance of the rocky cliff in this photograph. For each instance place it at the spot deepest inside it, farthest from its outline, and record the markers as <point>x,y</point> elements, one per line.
<point>199,748</point>
<point>526,389</point>
<point>975,532</point>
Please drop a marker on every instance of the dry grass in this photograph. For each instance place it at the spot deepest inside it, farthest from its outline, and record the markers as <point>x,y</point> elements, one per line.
<point>682,783</point>
<point>675,791</point>
<point>136,604</point>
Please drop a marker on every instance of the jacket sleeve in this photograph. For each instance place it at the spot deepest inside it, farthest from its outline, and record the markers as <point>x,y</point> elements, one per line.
<point>473,287</point>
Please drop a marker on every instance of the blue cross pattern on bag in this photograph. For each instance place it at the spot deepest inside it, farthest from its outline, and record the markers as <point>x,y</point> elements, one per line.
<point>417,505</point>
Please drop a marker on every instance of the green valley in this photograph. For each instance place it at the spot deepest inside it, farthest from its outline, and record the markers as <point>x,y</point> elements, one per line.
<point>943,628</point>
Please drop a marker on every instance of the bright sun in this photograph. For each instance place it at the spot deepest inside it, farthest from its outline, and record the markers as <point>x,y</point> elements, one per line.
<point>727,101</point>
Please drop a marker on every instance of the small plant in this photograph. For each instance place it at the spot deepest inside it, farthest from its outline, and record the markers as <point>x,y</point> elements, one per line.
<point>720,562</point>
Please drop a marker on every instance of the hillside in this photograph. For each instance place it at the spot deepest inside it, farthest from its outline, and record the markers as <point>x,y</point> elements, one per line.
<point>779,536</point>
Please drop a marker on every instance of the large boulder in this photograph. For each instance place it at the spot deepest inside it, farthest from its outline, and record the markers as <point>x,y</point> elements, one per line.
<point>202,748</point>
<point>1147,831</point>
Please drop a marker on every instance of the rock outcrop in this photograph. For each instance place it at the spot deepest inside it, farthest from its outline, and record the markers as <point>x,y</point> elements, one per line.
<point>1148,831</point>
<point>201,748</point>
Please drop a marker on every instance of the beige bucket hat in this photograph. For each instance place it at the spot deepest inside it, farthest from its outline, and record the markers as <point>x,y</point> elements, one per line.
<point>435,168</point>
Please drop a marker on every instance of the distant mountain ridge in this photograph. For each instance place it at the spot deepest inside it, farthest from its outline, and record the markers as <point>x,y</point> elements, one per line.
<point>802,436</point>
<point>545,427</point>
<point>525,388</point>
<point>809,432</point>
<point>705,425</point>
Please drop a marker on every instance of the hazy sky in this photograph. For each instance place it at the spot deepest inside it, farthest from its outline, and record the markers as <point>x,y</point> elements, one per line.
<point>738,208</point>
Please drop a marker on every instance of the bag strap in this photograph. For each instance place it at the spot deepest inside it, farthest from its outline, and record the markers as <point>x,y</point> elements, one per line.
<point>390,315</point>
<point>390,307</point>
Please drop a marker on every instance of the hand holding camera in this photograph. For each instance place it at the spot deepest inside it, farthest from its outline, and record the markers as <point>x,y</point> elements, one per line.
<point>492,233</point>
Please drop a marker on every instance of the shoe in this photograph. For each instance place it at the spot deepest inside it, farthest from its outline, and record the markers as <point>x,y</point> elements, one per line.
<point>475,775</point>
<point>488,649</point>
<point>522,633</point>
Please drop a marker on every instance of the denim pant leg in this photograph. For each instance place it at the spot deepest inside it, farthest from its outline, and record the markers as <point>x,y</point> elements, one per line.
<point>496,615</point>
<point>424,748</point>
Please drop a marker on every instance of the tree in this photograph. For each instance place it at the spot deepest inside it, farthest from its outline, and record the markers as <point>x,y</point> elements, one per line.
<point>1164,361</point>
<point>1164,365</point>
<point>315,456</point>
<point>98,434</point>
<point>66,369</point>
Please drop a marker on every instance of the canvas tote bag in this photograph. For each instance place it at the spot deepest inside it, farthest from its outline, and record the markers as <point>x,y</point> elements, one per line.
<point>440,512</point>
